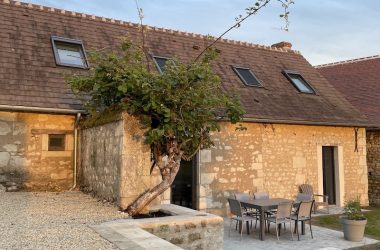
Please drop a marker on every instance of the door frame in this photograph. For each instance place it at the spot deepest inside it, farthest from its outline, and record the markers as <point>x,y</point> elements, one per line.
<point>338,171</point>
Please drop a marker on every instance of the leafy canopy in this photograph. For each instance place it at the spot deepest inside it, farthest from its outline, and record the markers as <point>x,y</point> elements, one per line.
<point>183,103</point>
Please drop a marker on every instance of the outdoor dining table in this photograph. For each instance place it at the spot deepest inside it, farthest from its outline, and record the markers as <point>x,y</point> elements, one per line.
<point>262,206</point>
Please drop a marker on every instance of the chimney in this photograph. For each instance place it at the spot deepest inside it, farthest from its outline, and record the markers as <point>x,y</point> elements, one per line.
<point>282,45</point>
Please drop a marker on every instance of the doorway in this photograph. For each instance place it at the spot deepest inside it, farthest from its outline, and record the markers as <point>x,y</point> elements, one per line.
<point>329,170</point>
<point>183,189</point>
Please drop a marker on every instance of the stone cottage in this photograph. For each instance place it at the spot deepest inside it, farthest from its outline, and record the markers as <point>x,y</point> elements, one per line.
<point>300,129</point>
<point>359,81</point>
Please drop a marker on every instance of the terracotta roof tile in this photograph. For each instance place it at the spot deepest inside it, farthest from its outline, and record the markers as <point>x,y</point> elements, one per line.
<point>30,77</point>
<point>359,81</point>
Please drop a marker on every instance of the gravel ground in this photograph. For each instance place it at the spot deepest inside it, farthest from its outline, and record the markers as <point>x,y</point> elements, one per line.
<point>53,221</point>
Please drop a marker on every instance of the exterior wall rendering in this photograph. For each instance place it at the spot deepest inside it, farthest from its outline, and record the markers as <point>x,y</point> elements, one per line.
<point>277,159</point>
<point>373,161</point>
<point>25,159</point>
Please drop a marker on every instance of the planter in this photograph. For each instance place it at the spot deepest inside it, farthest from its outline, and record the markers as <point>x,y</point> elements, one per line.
<point>353,230</point>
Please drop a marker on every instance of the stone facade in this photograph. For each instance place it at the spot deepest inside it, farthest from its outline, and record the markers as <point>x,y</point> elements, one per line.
<point>266,157</point>
<point>25,160</point>
<point>277,159</point>
<point>115,162</point>
<point>373,161</point>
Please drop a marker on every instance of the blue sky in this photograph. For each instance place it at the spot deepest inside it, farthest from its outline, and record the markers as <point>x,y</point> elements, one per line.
<point>323,30</point>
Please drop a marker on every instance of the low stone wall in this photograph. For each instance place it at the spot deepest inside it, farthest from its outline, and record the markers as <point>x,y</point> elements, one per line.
<point>25,160</point>
<point>101,159</point>
<point>186,228</point>
<point>373,161</point>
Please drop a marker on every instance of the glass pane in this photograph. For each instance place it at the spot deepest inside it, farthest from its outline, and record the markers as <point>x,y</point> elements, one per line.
<point>248,77</point>
<point>70,55</point>
<point>300,84</point>
<point>161,63</point>
<point>56,142</point>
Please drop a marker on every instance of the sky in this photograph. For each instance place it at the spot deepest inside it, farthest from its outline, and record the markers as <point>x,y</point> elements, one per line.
<point>323,31</point>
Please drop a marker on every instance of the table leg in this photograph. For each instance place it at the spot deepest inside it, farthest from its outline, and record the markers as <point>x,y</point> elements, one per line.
<point>247,222</point>
<point>262,225</point>
<point>240,226</point>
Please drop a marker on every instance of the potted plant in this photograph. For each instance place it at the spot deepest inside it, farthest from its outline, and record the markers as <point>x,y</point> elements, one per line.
<point>353,221</point>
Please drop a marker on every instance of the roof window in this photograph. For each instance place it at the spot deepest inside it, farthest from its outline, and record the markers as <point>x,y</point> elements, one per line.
<point>160,62</point>
<point>298,82</point>
<point>69,52</point>
<point>247,77</point>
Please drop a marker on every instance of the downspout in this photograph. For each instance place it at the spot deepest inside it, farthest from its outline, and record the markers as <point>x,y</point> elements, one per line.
<point>75,151</point>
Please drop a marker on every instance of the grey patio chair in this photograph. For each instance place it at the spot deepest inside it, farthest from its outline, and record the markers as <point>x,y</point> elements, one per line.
<point>302,215</point>
<point>304,197</point>
<point>247,211</point>
<point>282,216</point>
<point>237,215</point>
<point>261,195</point>
<point>308,189</point>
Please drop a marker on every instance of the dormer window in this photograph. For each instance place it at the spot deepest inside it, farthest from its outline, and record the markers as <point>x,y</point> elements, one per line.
<point>69,52</point>
<point>298,82</point>
<point>160,62</point>
<point>247,77</point>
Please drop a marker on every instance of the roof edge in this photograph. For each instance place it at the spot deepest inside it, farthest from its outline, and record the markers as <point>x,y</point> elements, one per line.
<point>304,122</point>
<point>40,109</point>
<point>130,24</point>
<point>347,61</point>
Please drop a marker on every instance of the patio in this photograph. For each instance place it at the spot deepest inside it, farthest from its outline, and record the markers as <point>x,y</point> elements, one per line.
<point>324,238</point>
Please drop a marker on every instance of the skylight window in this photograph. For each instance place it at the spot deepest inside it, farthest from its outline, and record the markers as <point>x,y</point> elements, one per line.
<point>160,62</point>
<point>299,82</point>
<point>69,52</point>
<point>247,77</point>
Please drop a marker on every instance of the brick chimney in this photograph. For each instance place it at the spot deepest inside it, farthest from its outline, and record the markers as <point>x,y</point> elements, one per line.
<point>282,45</point>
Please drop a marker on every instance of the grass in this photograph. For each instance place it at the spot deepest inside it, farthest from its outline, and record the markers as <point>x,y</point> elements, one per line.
<point>372,229</point>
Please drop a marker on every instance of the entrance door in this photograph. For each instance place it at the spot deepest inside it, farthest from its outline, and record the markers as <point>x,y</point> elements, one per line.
<point>184,186</point>
<point>329,174</point>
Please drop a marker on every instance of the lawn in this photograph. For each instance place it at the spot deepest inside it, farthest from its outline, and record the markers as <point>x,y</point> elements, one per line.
<point>372,229</point>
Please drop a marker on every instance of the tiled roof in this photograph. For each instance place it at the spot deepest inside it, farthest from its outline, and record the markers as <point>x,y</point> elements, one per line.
<point>30,77</point>
<point>359,81</point>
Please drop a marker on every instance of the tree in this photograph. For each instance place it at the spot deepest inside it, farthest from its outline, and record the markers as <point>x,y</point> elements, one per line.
<point>179,108</point>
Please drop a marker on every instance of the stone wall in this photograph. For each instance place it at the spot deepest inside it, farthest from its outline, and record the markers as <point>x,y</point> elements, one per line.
<point>277,159</point>
<point>115,162</point>
<point>101,150</point>
<point>25,161</point>
<point>373,161</point>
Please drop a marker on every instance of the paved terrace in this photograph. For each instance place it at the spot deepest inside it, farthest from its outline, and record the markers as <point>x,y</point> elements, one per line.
<point>324,239</point>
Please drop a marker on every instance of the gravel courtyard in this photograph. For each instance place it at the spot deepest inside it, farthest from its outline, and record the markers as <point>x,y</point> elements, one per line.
<point>53,221</point>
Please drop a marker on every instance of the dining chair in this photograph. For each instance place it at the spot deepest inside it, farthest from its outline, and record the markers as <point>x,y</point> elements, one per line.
<point>237,215</point>
<point>282,216</point>
<point>247,211</point>
<point>261,195</point>
<point>308,189</point>
<point>302,215</point>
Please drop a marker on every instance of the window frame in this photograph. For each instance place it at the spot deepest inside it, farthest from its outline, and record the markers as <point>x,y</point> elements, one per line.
<point>60,148</point>
<point>69,41</point>
<point>235,69</point>
<point>288,73</point>
<point>156,63</point>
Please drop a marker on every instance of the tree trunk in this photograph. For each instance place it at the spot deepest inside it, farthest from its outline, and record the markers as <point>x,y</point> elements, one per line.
<point>168,174</point>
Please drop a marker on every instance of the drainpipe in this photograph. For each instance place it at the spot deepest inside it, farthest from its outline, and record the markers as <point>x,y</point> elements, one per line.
<point>75,150</point>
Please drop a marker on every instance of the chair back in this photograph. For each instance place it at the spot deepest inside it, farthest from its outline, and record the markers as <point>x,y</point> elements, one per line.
<point>261,195</point>
<point>284,210</point>
<point>304,197</point>
<point>304,209</point>
<point>243,196</point>
<point>235,207</point>
<point>306,188</point>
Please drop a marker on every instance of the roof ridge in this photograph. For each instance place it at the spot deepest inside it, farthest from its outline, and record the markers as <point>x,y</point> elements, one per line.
<point>347,61</point>
<point>126,23</point>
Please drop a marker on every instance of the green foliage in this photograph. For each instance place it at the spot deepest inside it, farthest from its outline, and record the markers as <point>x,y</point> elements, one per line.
<point>353,210</point>
<point>183,103</point>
